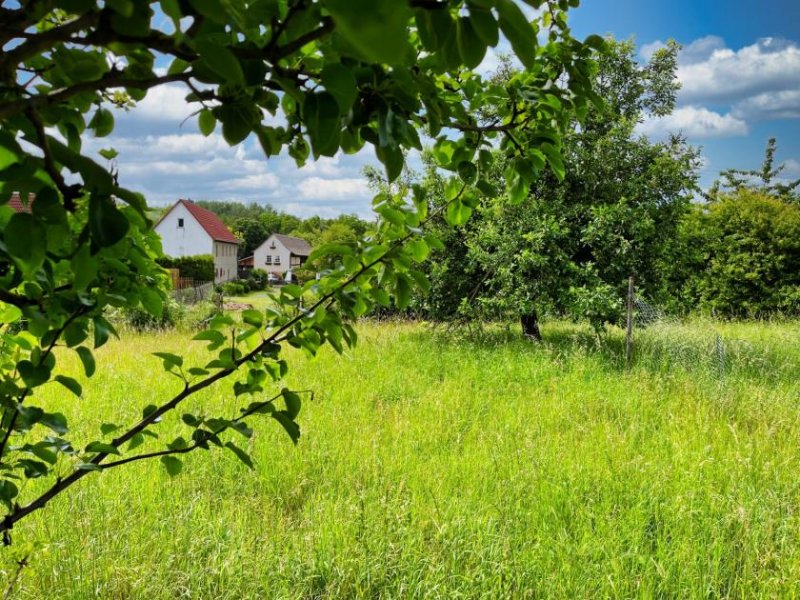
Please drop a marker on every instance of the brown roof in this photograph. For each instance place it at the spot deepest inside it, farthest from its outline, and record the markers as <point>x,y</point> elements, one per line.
<point>208,221</point>
<point>297,246</point>
<point>16,202</point>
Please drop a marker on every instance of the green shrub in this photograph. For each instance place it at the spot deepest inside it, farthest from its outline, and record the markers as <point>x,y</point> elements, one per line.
<point>199,268</point>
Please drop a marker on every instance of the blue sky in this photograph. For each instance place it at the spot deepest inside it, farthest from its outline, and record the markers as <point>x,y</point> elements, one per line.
<point>739,68</point>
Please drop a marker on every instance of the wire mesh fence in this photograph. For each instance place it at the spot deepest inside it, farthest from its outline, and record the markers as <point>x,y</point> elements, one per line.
<point>666,342</point>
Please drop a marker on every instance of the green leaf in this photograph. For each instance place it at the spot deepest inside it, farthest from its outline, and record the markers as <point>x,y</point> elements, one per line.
<point>151,301</point>
<point>519,31</point>
<point>8,491</point>
<point>471,47</point>
<point>26,239</point>
<point>419,249</point>
<point>136,441</point>
<point>107,428</point>
<point>292,401</point>
<point>33,375</point>
<point>517,189</point>
<point>290,426</point>
<point>321,116</point>
<point>170,360</point>
<point>69,383</point>
<point>55,422</point>
<point>485,25</point>
<point>253,317</point>
<point>101,448</point>
<point>207,122</point>
<point>102,122</point>
<point>172,465</point>
<point>238,120</point>
<point>220,60</point>
<point>339,81</point>
<point>108,153</point>
<point>457,213</point>
<point>392,159</point>
<point>107,224</point>
<point>241,454</point>
<point>87,359</point>
<point>376,29</point>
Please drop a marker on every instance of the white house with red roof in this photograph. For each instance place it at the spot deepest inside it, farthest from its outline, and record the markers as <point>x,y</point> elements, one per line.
<point>190,230</point>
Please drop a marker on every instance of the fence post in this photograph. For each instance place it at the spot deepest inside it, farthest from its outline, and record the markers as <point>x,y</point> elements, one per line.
<point>629,332</point>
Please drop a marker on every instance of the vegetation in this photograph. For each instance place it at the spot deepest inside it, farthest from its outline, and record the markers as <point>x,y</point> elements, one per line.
<point>337,71</point>
<point>199,268</point>
<point>473,467</point>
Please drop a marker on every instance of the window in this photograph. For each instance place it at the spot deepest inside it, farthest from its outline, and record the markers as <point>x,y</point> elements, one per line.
<point>269,260</point>
<point>180,223</point>
<point>277,259</point>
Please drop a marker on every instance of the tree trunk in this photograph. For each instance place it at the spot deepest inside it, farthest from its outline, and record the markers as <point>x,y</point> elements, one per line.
<point>530,326</point>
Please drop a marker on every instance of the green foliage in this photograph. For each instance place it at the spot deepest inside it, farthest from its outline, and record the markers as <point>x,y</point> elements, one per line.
<point>88,247</point>
<point>199,268</point>
<point>743,256</point>
<point>608,210</point>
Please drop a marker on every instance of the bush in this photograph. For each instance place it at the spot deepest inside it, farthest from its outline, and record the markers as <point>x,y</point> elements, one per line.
<point>199,268</point>
<point>748,263</point>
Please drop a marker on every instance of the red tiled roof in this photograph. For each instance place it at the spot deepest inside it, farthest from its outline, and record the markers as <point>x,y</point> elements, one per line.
<point>208,221</point>
<point>16,202</point>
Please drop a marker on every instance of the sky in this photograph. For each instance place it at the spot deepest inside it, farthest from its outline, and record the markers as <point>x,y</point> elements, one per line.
<point>739,70</point>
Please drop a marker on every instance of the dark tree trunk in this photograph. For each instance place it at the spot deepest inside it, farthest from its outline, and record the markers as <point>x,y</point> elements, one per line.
<point>530,326</point>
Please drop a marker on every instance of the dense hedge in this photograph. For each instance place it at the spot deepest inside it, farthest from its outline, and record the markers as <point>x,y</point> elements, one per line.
<point>199,268</point>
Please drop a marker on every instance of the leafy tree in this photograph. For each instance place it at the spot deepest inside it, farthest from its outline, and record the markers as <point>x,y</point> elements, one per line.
<point>743,256</point>
<point>764,180</point>
<point>343,74</point>
<point>571,247</point>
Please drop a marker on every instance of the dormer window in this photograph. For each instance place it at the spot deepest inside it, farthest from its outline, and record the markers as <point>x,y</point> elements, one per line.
<point>180,223</point>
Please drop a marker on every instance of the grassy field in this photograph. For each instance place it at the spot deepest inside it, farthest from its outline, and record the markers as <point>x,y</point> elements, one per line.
<point>437,465</point>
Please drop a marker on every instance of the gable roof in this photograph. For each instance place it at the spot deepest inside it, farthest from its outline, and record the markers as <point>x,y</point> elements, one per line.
<point>295,245</point>
<point>16,202</point>
<point>208,221</point>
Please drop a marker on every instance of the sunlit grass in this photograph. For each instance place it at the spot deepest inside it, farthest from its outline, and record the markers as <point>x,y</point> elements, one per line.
<point>433,464</point>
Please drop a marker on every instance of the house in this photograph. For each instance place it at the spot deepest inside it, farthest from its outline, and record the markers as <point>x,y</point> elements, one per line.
<point>280,253</point>
<point>190,230</point>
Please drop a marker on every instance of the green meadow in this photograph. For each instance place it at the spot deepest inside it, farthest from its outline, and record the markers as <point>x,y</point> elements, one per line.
<point>452,464</point>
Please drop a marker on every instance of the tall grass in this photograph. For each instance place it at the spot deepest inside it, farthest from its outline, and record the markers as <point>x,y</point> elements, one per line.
<point>434,465</point>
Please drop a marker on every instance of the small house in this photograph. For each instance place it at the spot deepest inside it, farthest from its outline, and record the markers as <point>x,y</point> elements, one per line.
<point>280,253</point>
<point>187,229</point>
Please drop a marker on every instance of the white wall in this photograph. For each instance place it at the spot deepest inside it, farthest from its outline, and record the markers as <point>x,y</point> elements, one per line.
<point>225,261</point>
<point>189,240</point>
<point>280,252</point>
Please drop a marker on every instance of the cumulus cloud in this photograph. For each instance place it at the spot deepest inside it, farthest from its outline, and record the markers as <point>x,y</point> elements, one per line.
<point>774,105</point>
<point>694,122</point>
<point>725,75</point>
<point>333,189</point>
<point>791,168</point>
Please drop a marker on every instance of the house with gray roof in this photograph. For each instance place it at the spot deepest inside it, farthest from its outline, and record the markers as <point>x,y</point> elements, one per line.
<point>280,253</point>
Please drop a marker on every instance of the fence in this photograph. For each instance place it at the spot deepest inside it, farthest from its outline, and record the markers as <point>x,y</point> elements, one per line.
<point>657,340</point>
<point>193,291</point>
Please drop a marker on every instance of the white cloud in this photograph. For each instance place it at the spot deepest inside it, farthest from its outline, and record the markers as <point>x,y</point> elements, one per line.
<point>163,103</point>
<point>333,189</point>
<point>791,168</point>
<point>694,122</point>
<point>700,50</point>
<point>776,105</point>
<point>261,181</point>
<point>726,75</point>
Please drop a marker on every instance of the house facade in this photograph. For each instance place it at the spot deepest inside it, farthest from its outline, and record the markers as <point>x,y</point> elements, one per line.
<point>189,230</point>
<point>280,253</point>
